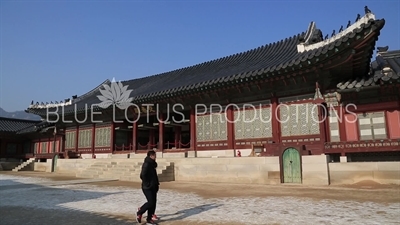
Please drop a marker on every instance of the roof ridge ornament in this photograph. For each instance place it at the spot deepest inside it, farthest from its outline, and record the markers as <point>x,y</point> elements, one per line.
<point>303,46</point>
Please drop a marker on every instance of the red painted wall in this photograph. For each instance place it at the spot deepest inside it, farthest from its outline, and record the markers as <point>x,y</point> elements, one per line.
<point>351,125</point>
<point>393,123</point>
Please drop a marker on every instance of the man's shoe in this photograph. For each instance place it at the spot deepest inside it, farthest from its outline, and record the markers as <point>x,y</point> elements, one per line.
<point>138,218</point>
<point>155,217</point>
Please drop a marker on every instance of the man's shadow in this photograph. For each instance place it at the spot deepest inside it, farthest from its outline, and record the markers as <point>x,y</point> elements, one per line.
<point>188,212</point>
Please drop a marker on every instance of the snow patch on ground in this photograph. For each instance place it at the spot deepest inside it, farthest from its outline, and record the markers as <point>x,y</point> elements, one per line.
<point>179,206</point>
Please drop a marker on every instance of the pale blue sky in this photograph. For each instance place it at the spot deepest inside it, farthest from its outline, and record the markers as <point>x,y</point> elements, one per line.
<point>51,50</point>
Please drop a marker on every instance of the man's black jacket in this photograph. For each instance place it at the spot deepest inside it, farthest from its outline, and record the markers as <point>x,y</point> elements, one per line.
<point>149,174</point>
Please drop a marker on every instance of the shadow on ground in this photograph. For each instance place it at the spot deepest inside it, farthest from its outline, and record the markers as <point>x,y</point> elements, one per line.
<point>182,214</point>
<point>14,210</point>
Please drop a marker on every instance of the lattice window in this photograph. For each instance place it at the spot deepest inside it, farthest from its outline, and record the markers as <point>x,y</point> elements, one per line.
<point>372,126</point>
<point>36,147</point>
<point>299,119</point>
<point>51,147</point>
<point>253,123</point>
<point>211,127</point>
<point>85,138</point>
<point>103,137</point>
<point>43,148</point>
<point>334,125</point>
<point>70,138</point>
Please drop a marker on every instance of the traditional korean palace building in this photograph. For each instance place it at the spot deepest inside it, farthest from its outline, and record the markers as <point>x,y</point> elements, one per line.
<point>311,93</point>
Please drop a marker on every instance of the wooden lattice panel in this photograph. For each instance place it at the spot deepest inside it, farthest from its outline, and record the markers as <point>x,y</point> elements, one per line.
<point>43,147</point>
<point>200,128</point>
<point>85,138</point>
<point>102,137</point>
<point>334,126</point>
<point>70,137</point>
<point>36,147</point>
<point>252,123</point>
<point>314,121</point>
<point>372,126</point>
<point>211,127</point>
<point>299,119</point>
<point>284,120</point>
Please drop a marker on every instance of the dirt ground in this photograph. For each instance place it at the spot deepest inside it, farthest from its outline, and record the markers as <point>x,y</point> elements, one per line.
<point>365,191</point>
<point>361,192</point>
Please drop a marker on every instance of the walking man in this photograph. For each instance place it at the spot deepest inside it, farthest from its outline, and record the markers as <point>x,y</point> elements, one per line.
<point>150,186</point>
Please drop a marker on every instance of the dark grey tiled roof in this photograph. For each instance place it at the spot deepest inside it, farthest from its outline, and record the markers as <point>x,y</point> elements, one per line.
<point>15,125</point>
<point>35,128</point>
<point>385,69</point>
<point>260,63</point>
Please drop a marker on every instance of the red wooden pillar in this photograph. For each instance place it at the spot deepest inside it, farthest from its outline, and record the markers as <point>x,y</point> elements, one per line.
<point>178,130</point>
<point>321,121</point>
<point>193,142</point>
<point>134,136</point>
<point>151,139</point>
<point>112,141</point>
<point>161,132</point>
<point>93,137</point>
<point>39,149</point>
<point>342,123</point>
<point>77,138</point>
<point>60,140</point>
<point>276,130</point>
<point>230,126</point>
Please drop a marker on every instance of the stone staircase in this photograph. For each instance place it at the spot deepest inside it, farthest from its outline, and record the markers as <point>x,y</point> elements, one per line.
<point>23,165</point>
<point>125,170</point>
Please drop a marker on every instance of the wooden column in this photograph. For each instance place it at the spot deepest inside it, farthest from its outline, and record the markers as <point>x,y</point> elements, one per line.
<point>276,130</point>
<point>93,137</point>
<point>54,141</point>
<point>321,116</point>
<point>230,128</point>
<point>60,140</point>
<point>193,142</point>
<point>112,136</point>
<point>134,136</point>
<point>178,130</point>
<point>39,149</point>
<point>342,123</point>
<point>151,139</point>
<point>161,132</point>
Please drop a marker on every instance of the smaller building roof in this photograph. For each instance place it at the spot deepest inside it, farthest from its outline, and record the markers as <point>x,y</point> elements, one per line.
<point>14,125</point>
<point>20,126</point>
<point>385,69</point>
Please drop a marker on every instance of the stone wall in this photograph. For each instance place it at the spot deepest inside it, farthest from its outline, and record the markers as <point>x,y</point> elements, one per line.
<point>315,170</point>
<point>42,166</point>
<point>257,170</point>
<point>252,170</point>
<point>353,172</point>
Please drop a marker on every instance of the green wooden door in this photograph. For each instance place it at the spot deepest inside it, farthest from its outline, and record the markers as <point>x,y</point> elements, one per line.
<point>54,163</point>
<point>291,166</point>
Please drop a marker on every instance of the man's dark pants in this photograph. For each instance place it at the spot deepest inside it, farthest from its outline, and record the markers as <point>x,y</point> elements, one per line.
<point>150,205</point>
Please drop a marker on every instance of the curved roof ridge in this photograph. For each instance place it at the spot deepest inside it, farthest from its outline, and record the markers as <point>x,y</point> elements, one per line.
<point>232,56</point>
<point>89,93</point>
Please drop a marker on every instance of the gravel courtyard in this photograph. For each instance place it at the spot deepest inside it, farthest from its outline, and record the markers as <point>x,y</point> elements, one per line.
<point>43,198</point>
